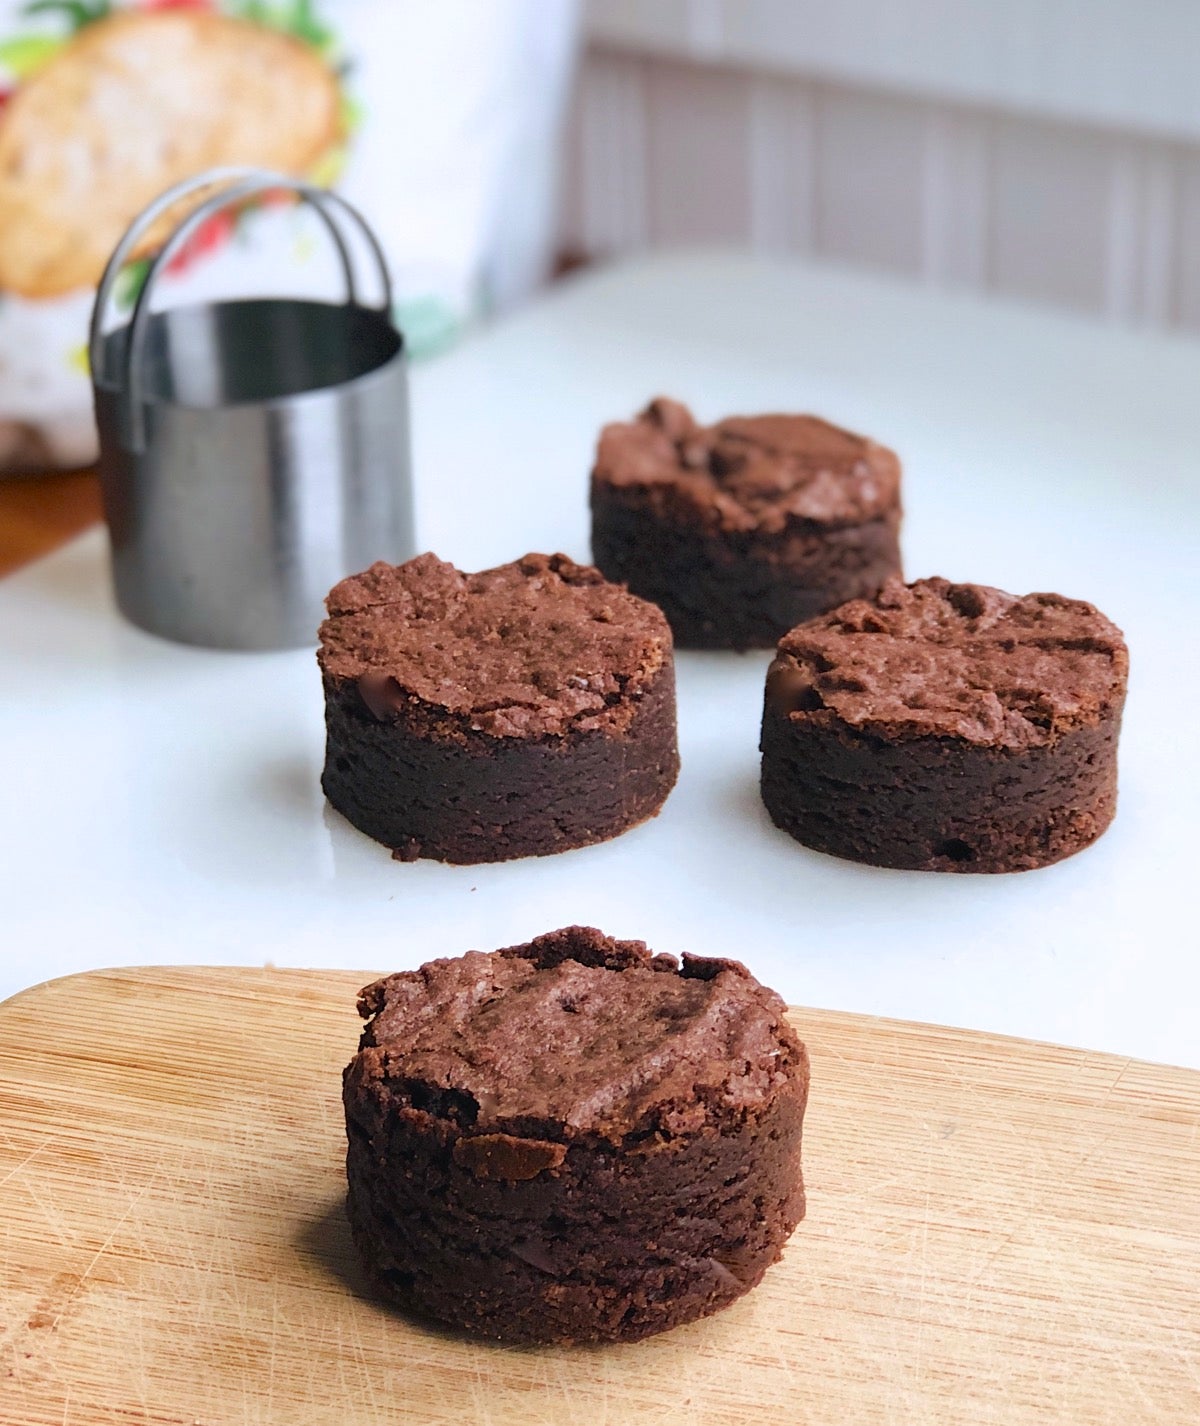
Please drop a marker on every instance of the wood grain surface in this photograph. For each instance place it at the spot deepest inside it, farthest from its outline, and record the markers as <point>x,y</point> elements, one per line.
<point>998,1232</point>
<point>39,513</point>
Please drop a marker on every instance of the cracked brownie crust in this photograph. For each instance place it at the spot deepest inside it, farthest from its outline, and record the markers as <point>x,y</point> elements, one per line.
<point>740,530</point>
<point>946,727</point>
<point>573,1140</point>
<point>516,712</point>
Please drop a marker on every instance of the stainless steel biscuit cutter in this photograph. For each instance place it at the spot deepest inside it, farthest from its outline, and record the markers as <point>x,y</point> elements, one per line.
<point>252,451</point>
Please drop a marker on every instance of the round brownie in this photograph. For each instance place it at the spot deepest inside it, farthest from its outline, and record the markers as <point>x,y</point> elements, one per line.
<point>740,530</point>
<point>573,1140</point>
<point>479,717</point>
<point>946,727</point>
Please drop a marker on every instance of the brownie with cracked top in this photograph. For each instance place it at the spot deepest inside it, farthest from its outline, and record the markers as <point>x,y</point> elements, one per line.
<point>516,712</point>
<point>946,727</point>
<point>740,530</point>
<point>573,1140</point>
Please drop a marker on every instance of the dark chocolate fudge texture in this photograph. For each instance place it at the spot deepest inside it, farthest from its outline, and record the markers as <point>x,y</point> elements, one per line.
<point>746,473</point>
<point>521,711</point>
<point>955,660</point>
<point>576,1035</point>
<point>946,726</point>
<point>741,530</point>
<point>574,1139</point>
<point>539,646</point>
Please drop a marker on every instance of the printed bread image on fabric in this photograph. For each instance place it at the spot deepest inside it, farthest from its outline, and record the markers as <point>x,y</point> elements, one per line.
<point>130,104</point>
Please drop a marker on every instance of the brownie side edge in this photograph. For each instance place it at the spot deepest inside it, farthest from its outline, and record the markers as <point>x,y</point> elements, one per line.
<point>476,798</point>
<point>738,589</point>
<point>605,1245</point>
<point>938,803</point>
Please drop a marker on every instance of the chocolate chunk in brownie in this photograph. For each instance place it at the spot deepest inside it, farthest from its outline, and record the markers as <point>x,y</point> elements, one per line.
<point>573,1139</point>
<point>477,717</point>
<point>946,727</point>
<point>740,530</point>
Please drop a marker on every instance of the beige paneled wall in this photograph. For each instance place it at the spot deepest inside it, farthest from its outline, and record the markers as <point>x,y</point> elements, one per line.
<point>667,150</point>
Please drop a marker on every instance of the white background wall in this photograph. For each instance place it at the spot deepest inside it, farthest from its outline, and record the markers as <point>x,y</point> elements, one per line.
<point>1041,149</point>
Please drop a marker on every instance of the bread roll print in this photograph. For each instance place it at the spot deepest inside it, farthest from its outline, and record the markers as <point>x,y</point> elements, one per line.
<point>133,102</point>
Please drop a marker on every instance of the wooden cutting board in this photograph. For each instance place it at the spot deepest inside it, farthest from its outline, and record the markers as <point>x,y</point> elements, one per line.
<point>998,1232</point>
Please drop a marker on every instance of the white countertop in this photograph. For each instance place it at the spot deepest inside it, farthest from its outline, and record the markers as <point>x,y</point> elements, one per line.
<point>161,804</point>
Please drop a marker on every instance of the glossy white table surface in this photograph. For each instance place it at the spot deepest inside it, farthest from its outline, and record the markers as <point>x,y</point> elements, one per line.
<point>161,804</point>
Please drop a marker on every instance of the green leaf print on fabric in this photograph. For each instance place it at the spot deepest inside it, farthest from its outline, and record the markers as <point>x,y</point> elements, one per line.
<point>78,13</point>
<point>298,18</point>
<point>20,57</point>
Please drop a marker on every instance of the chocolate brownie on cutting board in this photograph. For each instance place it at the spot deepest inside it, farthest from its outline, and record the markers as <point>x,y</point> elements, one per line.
<point>573,1140</point>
